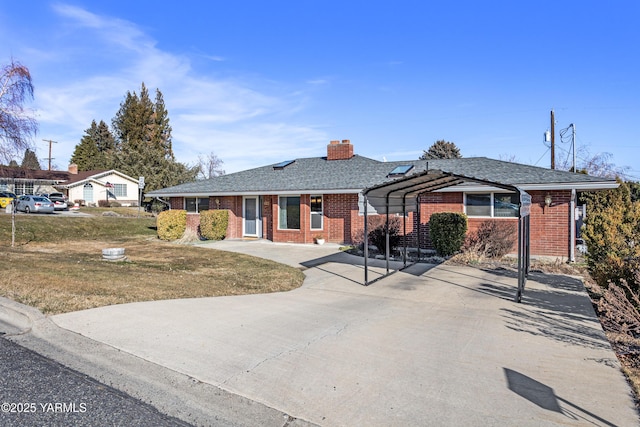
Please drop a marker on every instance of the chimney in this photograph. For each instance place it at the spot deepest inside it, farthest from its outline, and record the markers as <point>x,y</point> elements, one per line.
<point>73,169</point>
<point>337,150</point>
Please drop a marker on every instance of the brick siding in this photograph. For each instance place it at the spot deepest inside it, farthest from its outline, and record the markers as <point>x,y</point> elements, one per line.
<point>342,223</point>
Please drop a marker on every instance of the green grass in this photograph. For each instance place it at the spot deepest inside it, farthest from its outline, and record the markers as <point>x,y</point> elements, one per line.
<point>57,228</point>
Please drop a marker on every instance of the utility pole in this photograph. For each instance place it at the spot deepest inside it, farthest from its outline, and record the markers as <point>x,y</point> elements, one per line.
<point>553,140</point>
<point>573,143</point>
<point>50,158</point>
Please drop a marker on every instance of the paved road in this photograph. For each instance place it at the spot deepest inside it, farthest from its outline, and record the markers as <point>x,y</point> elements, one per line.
<point>35,391</point>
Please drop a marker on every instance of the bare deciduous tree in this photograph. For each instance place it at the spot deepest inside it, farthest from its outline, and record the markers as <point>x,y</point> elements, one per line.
<point>595,165</point>
<point>17,124</point>
<point>209,166</point>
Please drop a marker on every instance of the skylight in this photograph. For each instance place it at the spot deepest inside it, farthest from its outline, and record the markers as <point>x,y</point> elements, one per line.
<point>283,165</point>
<point>401,170</point>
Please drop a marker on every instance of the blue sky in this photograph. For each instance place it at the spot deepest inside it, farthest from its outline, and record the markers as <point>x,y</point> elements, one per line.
<point>259,82</point>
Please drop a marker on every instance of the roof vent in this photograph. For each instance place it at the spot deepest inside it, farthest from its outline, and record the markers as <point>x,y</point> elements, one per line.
<point>283,165</point>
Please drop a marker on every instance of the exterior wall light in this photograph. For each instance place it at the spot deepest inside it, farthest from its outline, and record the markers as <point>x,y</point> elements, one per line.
<point>547,200</point>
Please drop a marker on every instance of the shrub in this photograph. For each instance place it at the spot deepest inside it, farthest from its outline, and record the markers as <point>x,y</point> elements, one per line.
<point>103,203</point>
<point>172,224</point>
<point>115,204</point>
<point>612,233</point>
<point>447,231</point>
<point>378,235</point>
<point>376,226</point>
<point>493,239</point>
<point>619,308</point>
<point>213,224</point>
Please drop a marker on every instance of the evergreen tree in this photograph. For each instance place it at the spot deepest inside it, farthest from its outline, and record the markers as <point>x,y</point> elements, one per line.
<point>106,144</point>
<point>30,160</point>
<point>612,231</point>
<point>144,146</point>
<point>441,149</point>
<point>96,149</point>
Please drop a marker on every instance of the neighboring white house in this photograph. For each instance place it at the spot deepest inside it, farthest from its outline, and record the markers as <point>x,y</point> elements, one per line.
<point>89,187</point>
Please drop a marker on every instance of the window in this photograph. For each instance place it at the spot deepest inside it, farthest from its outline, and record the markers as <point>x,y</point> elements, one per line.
<point>87,193</point>
<point>401,170</point>
<point>120,190</point>
<point>478,204</point>
<point>316,212</point>
<point>498,205</point>
<point>289,213</point>
<point>196,204</point>
<point>24,187</point>
<point>506,205</point>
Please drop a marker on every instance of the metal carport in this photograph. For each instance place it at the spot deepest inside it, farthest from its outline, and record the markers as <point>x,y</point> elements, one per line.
<point>402,195</point>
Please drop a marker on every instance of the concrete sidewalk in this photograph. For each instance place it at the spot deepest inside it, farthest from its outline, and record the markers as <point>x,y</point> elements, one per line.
<point>431,345</point>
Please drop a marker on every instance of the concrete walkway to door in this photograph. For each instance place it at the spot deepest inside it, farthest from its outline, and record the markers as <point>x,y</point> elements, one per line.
<point>432,345</point>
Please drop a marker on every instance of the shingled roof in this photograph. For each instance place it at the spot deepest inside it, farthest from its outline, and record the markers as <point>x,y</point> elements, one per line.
<point>319,175</point>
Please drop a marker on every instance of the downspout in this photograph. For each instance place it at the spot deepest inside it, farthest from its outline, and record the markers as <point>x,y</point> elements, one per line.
<point>572,228</point>
<point>163,201</point>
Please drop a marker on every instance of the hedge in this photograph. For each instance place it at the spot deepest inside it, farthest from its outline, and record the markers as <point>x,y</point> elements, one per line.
<point>213,224</point>
<point>447,231</point>
<point>171,224</point>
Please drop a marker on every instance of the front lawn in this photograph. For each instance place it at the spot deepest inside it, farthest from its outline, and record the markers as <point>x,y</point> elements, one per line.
<point>57,266</point>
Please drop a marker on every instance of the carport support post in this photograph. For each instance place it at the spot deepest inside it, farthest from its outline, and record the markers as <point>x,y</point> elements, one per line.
<point>386,237</point>
<point>418,224</point>
<point>404,226</point>
<point>366,243</point>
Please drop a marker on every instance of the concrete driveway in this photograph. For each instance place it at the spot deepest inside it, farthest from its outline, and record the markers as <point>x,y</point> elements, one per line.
<point>429,346</point>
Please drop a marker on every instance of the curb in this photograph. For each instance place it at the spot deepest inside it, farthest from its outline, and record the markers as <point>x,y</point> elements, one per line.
<point>16,318</point>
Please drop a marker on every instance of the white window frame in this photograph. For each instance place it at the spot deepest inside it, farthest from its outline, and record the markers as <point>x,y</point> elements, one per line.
<point>120,190</point>
<point>198,200</point>
<point>320,214</point>
<point>491,204</point>
<point>280,227</point>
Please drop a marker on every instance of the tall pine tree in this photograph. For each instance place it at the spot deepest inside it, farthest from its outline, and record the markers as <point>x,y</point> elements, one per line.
<point>96,149</point>
<point>144,146</point>
<point>30,160</point>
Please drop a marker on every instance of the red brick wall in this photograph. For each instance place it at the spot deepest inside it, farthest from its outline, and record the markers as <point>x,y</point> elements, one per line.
<point>550,233</point>
<point>177,202</point>
<point>193,221</point>
<point>341,223</point>
<point>234,205</point>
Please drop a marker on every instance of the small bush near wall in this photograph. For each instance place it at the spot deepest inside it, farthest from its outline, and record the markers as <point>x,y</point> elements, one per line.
<point>376,225</point>
<point>172,224</point>
<point>378,235</point>
<point>103,203</point>
<point>447,231</point>
<point>213,224</point>
<point>493,239</point>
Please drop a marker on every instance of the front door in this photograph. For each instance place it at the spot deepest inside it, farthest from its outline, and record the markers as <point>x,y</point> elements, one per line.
<point>251,217</point>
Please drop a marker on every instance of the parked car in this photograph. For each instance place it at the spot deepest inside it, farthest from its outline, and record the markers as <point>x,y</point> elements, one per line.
<point>6,197</point>
<point>59,201</point>
<point>28,203</point>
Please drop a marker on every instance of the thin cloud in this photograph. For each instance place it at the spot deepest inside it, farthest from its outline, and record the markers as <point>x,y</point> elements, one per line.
<point>238,119</point>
